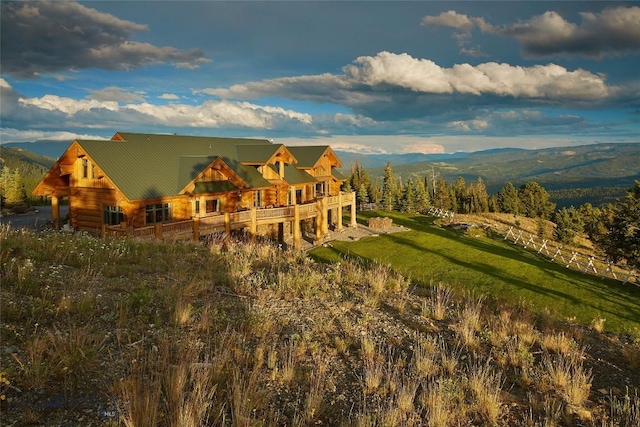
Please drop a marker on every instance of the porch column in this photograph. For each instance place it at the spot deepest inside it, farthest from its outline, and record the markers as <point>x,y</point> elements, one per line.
<point>254,222</point>
<point>196,229</point>
<point>325,216</point>
<point>296,227</point>
<point>55,212</point>
<point>354,223</point>
<point>281,232</point>
<point>227,224</point>
<point>339,213</point>
<point>319,221</point>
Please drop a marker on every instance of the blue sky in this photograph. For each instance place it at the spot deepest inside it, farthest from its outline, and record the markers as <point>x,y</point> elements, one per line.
<point>362,76</point>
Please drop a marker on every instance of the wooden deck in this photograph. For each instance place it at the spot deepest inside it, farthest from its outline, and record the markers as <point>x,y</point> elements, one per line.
<point>249,219</point>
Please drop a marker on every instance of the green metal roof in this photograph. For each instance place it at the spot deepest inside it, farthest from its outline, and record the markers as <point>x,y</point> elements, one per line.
<point>309,155</point>
<point>256,154</point>
<point>337,174</point>
<point>205,187</point>
<point>149,165</point>
<point>295,176</point>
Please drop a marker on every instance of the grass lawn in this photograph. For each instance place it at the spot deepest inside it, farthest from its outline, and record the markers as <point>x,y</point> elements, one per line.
<point>492,266</point>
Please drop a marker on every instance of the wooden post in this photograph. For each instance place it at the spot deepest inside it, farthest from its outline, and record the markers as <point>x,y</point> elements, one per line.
<point>55,212</point>
<point>296,227</point>
<point>325,216</point>
<point>104,231</point>
<point>339,216</point>
<point>318,220</point>
<point>196,229</point>
<point>227,224</point>
<point>354,223</point>
<point>254,222</point>
<point>158,230</point>
<point>281,232</point>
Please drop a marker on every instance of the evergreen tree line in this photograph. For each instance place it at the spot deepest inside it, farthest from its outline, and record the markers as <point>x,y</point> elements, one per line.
<point>613,228</point>
<point>418,195</point>
<point>12,192</point>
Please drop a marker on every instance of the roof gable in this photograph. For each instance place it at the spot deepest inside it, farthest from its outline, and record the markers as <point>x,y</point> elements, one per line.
<point>309,156</point>
<point>151,166</point>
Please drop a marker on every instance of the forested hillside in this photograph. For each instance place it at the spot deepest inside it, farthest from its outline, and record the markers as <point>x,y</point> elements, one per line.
<point>31,167</point>
<point>596,174</point>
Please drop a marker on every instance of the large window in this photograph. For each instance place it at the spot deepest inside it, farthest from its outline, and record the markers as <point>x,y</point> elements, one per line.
<point>160,212</point>
<point>113,215</point>
<point>213,205</point>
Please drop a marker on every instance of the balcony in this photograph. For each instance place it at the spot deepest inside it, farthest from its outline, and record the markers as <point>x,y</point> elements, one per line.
<point>251,219</point>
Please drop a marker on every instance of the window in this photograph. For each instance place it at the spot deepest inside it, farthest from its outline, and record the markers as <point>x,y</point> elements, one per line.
<point>257,201</point>
<point>196,207</point>
<point>160,212</point>
<point>113,215</point>
<point>85,168</point>
<point>320,189</point>
<point>213,205</point>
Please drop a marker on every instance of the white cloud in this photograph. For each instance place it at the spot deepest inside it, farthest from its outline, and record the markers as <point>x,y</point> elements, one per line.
<point>4,84</point>
<point>169,96</point>
<point>30,135</point>
<point>457,20</point>
<point>371,144</point>
<point>614,31</point>
<point>422,75</point>
<point>468,125</point>
<point>371,80</point>
<point>209,114</point>
<point>54,36</point>
<point>68,106</point>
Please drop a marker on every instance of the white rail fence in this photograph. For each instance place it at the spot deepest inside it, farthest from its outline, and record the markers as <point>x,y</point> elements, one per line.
<point>440,213</point>
<point>575,260</point>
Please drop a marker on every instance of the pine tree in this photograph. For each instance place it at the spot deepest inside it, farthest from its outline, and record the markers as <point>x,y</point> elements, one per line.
<point>11,186</point>
<point>461,196</point>
<point>441,198</point>
<point>388,189</point>
<point>422,196</point>
<point>479,197</point>
<point>362,196</point>
<point>568,224</point>
<point>534,201</point>
<point>375,192</point>
<point>408,198</point>
<point>507,199</point>
<point>622,242</point>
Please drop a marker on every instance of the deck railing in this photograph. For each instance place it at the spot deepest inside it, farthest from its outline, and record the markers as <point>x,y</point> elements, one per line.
<point>275,213</point>
<point>194,228</point>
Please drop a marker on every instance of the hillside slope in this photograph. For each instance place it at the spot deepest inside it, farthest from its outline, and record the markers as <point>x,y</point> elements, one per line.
<point>32,167</point>
<point>573,175</point>
<point>101,332</point>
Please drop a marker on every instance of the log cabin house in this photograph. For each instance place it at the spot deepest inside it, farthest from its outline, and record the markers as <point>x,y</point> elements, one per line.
<point>172,186</point>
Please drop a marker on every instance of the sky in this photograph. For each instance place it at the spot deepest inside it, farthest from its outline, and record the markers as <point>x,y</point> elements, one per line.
<point>361,76</point>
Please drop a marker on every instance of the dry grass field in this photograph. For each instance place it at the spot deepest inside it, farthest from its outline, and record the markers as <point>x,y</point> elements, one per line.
<point>121,332</point>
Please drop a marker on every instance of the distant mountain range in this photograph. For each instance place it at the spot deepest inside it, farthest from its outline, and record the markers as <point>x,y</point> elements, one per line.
<point>595,173</point>
<point>52,149</point>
